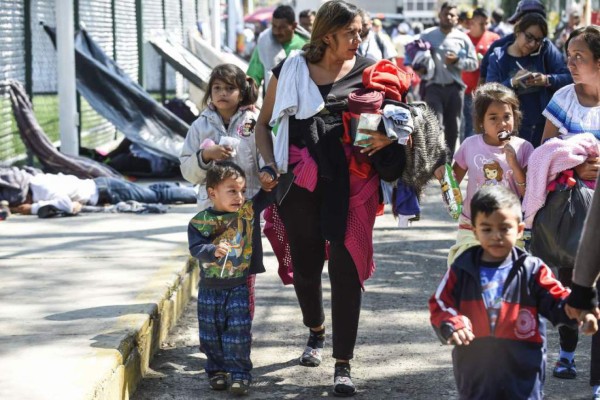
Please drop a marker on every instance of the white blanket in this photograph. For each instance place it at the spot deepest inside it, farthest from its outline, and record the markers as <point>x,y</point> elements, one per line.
<point>296,95</point>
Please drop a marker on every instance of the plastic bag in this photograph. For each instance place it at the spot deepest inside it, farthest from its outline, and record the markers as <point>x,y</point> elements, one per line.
<point>451,192</point>
<point>368,122</point>
<point>230,141</point>
<point>557,227</point>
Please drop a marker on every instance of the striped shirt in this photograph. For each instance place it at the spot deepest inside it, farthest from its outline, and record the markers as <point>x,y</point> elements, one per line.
<point>566,113</point>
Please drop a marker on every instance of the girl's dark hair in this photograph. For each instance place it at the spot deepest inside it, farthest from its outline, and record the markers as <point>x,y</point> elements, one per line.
<point>331,17</point>
<point>591,36</point>
<point>234,76</point>
<point>222,170</point>
<point>493,198</point>
<point>532,19</point>
<point>488,93</point>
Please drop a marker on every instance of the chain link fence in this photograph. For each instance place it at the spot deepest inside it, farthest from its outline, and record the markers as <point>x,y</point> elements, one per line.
<point>122,29</point>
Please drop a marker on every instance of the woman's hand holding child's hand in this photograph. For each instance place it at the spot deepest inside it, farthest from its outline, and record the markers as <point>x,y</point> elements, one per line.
<point>217,152</point>
<point>267,182</point>
<point>376,142</point>
<point>221,250</point>
<point>587,319</point>
<point>461,337</point>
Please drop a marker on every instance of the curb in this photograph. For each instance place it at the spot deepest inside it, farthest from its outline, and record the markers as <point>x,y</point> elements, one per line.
<point>139,346</point>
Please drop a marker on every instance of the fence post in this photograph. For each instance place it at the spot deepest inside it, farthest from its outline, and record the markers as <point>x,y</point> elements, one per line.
<point>139,21</point>
<point>163,63</point>
<point>67,92</point>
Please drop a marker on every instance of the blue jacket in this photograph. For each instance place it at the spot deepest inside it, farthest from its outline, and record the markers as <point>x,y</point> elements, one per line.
<point>510,362</point>
<point>485,61</point>
<point>549,60</point>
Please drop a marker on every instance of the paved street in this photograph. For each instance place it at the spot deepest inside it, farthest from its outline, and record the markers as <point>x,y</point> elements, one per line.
<point>397,355</point>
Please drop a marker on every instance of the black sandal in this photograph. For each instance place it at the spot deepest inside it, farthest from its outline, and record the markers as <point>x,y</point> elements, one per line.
<point>240,387</point>
<point>218,381</point>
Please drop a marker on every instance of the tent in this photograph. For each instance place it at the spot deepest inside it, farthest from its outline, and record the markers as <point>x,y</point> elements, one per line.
<point>183,61</point>
<point>39,144</point>
<point>119,99</point>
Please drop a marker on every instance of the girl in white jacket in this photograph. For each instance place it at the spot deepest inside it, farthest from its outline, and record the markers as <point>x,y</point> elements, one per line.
<point>223,131</point>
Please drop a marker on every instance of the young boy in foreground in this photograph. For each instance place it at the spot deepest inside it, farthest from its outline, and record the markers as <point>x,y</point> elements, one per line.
<point>489,305</point>
<point>224,239</point>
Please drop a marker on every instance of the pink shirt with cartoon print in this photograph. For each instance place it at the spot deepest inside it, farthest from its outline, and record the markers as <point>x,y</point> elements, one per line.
<point>486,165</point>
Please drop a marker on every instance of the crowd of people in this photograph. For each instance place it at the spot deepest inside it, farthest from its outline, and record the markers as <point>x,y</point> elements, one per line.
<point>309,168</point>
<point>503,90</point>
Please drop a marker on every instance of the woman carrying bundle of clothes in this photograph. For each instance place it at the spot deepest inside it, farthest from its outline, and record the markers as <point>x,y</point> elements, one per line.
<point>327,182</point>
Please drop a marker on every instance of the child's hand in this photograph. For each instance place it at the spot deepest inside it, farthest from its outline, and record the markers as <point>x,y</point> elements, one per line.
<point>588,319</point>
<point>217,152</point>
<point>266,181</point>
<point>461,337</point>
<point>439,172</point>
<point>589,169</point>
<point>222,249</point>
<point>589,323</point>
<point>511,154</point>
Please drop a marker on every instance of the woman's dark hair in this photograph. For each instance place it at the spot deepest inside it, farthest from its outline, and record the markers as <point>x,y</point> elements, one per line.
<point>331,17</point>
<point>532,19</point>
<point>234,76</point>
<point>222,170</point>
<point>493,198</point>
<point>591,36</point>
<point>488,93</point>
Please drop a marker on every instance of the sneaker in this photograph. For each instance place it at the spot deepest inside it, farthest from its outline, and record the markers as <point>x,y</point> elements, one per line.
<point>565,369</point>
<point>218,381</point>
<point>313,352</point>
<point>342,381</point>
<point>240,387</point>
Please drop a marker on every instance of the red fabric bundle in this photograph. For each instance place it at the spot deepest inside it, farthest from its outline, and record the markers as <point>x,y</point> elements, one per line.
<point>385,76</point>
<point>365,101</point>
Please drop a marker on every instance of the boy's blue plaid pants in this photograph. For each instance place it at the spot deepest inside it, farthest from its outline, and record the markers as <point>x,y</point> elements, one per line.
<point>225,330</point>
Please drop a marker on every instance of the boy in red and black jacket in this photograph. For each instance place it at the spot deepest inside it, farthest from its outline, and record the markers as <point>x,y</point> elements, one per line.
<point>489,305</point>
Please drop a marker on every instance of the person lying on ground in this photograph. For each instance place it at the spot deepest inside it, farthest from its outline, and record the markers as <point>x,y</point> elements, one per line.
<point>68,193</point>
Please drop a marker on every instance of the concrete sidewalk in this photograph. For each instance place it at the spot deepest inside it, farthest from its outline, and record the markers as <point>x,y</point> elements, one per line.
<point>86,300</point>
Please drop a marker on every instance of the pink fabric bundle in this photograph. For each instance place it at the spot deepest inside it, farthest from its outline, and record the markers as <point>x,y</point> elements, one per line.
<point>365,101</point>
<point>386,77</point>
<point>306,169</point>
<point>359,233</point>
<point>554,156</point>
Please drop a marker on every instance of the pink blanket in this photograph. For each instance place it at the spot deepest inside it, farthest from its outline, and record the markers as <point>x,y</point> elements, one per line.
<point>547,161</point>
<point>364,200</point>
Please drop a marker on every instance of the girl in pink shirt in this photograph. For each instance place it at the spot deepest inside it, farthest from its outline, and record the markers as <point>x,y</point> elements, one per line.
<point>496,156</point>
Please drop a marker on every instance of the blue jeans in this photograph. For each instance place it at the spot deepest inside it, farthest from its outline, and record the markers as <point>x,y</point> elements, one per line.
<point>113,191</point>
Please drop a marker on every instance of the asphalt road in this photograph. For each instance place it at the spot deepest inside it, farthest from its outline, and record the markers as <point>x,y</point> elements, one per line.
<point>397,354</point>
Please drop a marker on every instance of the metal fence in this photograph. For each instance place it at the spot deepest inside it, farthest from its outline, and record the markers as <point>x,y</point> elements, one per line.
<point>121,27</point>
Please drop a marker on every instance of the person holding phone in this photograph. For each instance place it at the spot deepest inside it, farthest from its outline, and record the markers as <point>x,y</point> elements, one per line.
<point>534,68</point>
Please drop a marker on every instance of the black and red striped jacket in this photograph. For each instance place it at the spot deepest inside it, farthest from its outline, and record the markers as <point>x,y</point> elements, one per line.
<point>509,362</point>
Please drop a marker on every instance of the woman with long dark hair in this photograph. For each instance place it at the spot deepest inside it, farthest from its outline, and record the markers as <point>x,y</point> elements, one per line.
<point>534,68</point>
<point>329,202</point>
